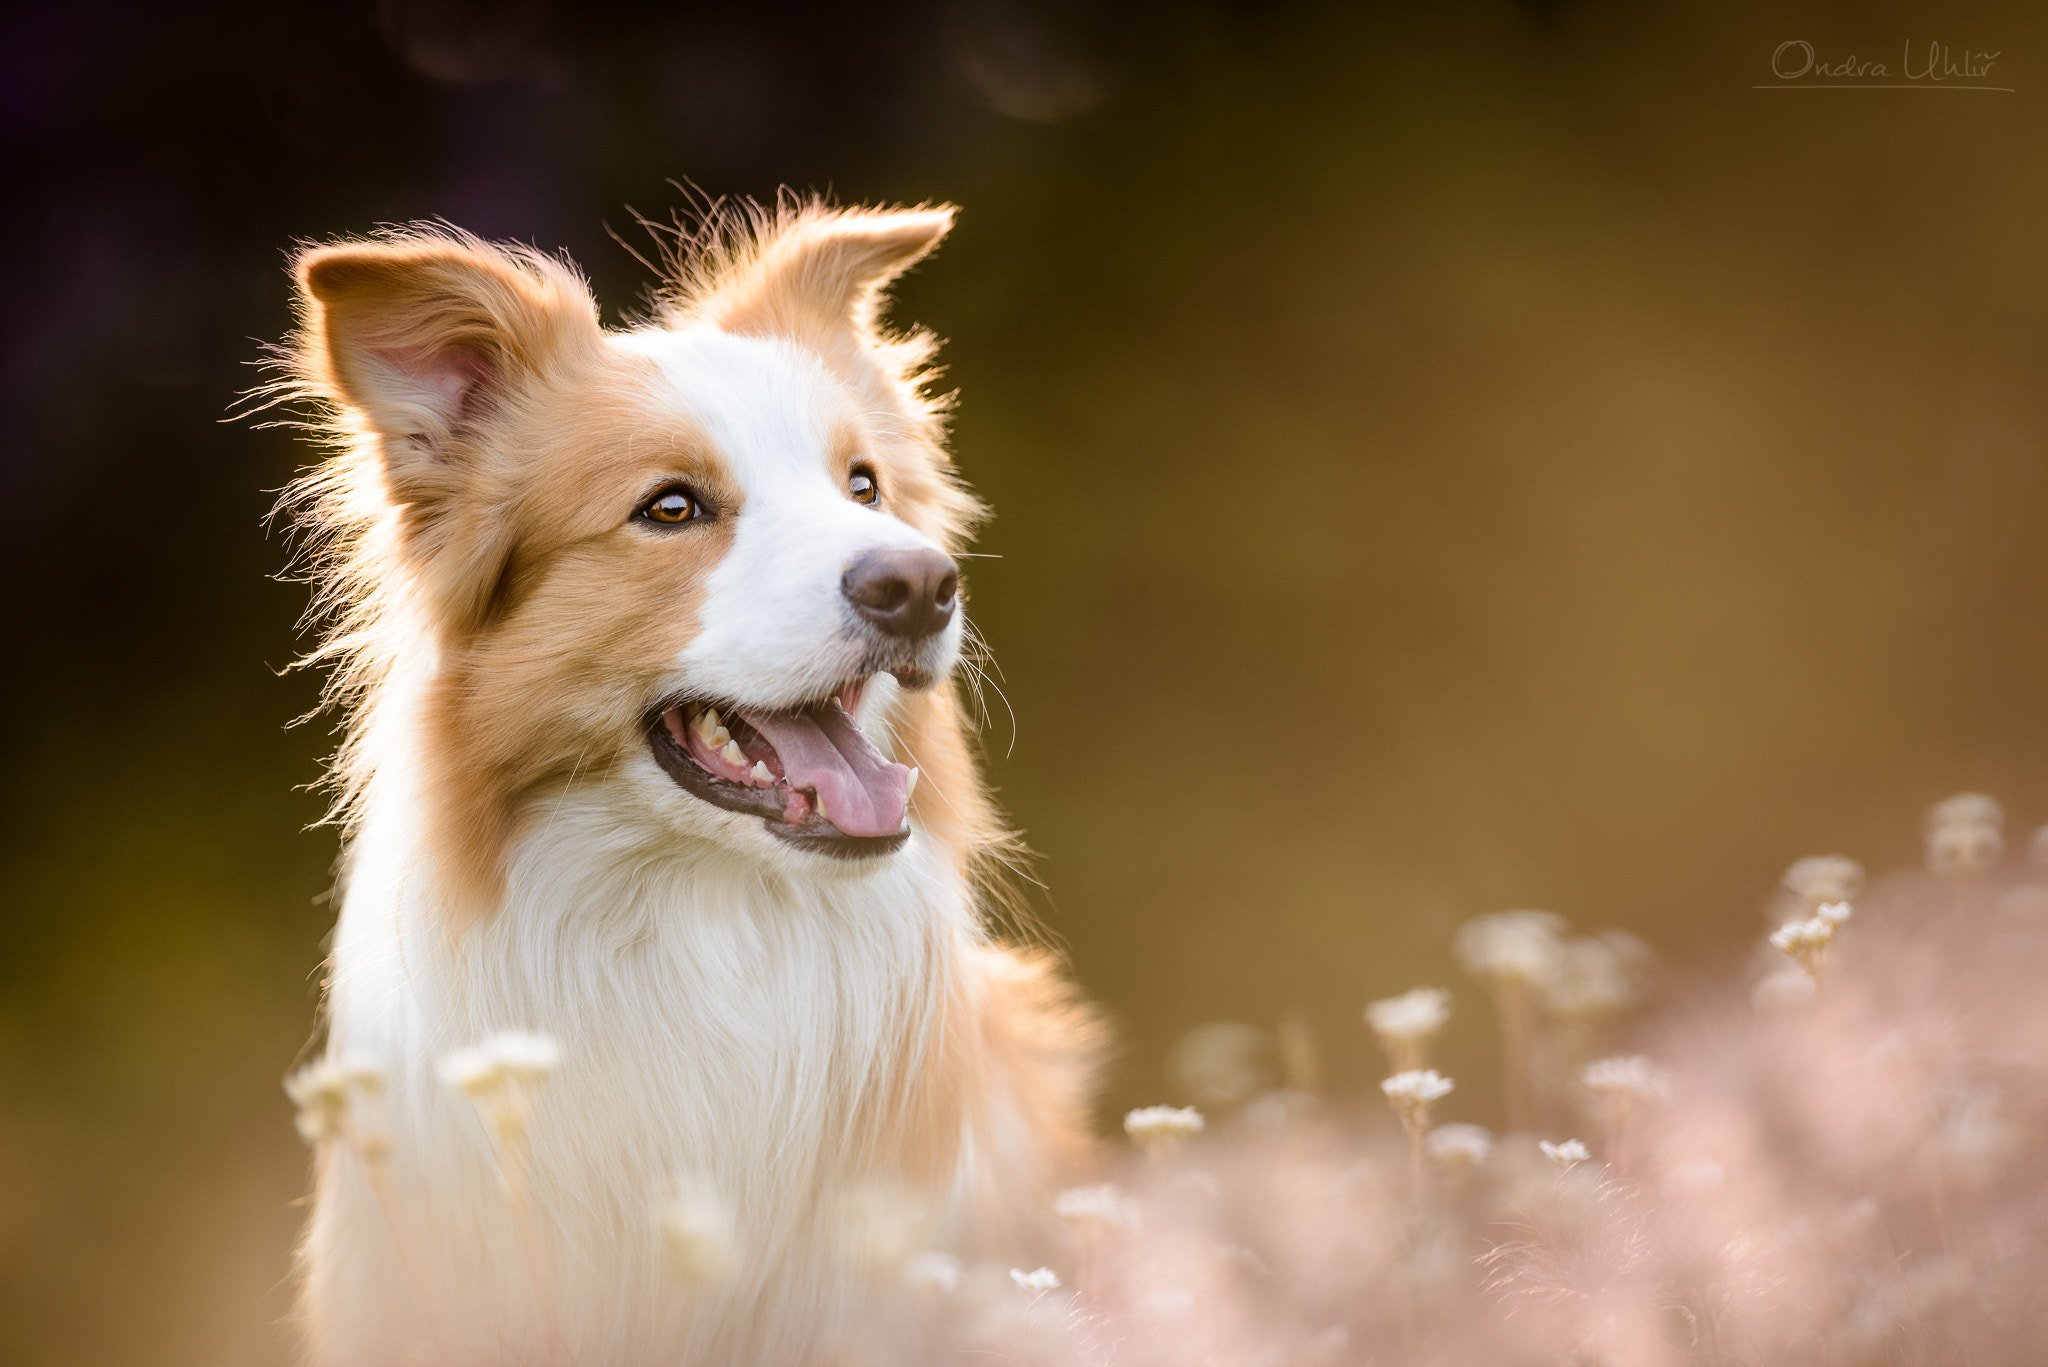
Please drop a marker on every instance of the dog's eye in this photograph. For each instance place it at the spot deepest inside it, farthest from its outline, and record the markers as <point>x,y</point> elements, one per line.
<point>672,507</point>
<point>861,484</point>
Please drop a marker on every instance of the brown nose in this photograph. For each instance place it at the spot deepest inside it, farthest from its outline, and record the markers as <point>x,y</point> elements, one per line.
<point>905,593</point>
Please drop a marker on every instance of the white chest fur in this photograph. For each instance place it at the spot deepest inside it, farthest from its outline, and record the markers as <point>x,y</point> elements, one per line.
<point>743,1030</point>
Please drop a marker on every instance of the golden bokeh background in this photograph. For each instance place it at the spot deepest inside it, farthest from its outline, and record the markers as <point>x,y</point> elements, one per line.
<point>1445,458</point>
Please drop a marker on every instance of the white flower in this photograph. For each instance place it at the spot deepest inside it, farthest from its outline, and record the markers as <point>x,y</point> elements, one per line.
<point>932,1272</point>
<point>1223,1063</point>
<point>1824,878</point>
<point>1512,945</point>
<point>325,1093</point>
<point>501,1074</point>
<point>1787,989</point>
<point>1412,1093</point>
<point>1418,1087</point>
<point>1807,941</point>
<point>698,1227</point>
<point>1459,1146</point>
<point>1597,977</point>
<point>1160,1130</point>
<point>1415,1014</point>
<point>1627,1078</point>
<point>1105,1207</point>
<point>1965,835</point>
<point>1565,1156</point>
<point>1834,913</point>
<point>1038,1282</point>
<point>510,1058</point>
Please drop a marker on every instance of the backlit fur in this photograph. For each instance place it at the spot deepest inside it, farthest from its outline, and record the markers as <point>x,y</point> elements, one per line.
<point>774,1026</point>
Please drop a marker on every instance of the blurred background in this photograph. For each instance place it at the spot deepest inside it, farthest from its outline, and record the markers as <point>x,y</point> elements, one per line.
<point>1446,458</point>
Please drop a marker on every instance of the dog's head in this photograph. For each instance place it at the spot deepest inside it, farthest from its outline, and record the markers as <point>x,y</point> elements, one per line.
<point>706,559</point>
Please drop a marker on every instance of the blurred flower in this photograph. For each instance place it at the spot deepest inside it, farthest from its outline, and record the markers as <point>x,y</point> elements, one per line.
<point>326,1092</point>
<point>1824,878</point>
<point>1598,977</point>
<point>1787,989</point>
<point>1518,945</point>
<point>501,1074</point>
<point>1965,836</point>
<point>508,1059</point>
<point>1222,1064</point>
<point>875,1224</point>
<point>699,1229</point>
<point>1106,1207</point>
<point>1565,1156</point>
<point>1459,1146</point>
<point>1405,1024</point>
<point>1038,1282</point>
<point>1412,1093</point>
<point>932,1272</point>
<point>1161,1130</point>
<point>1628,1078</point>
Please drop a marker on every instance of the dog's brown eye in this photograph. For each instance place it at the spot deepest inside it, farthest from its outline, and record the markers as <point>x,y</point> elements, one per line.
<point>861,484</point>
<point>671,507</point>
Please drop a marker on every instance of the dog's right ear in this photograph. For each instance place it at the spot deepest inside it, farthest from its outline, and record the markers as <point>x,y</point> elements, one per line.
<point>421,340</point>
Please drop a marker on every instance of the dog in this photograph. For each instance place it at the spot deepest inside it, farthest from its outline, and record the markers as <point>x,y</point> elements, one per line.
<point>665,951</point>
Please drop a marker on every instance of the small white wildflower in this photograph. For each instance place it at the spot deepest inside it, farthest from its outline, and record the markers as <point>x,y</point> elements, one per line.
<point>1412,1093</point>
<point>938,1272</point>
<point>1806,943</point>
<point>1565,1156</point>
<point>322,1098</point>
<point>698,1227</point>
<point>1824,878</point>
<point>510,1058</point>
<point>1106,1207</point>
<point>1455,1147</point>
<point>1834,913</point>
<point>1512,945</point>
<point>1161,1130</point>
<point>1627,1078</point>
<point>1037,1282</point>
<point>1405,1024</point>
<point>500,1074</point>
<point>325,1094</point>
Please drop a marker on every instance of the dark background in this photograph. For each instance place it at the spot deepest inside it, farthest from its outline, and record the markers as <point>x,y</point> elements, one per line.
<point>1446,458</point>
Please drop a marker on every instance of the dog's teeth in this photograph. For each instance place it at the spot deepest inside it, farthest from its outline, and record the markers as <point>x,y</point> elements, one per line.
<point>733,755</point>
<point>818,801</point>
<point>762,775</point>
<point>910,785</point>
<point>706,725</point>
<point>719,739</point>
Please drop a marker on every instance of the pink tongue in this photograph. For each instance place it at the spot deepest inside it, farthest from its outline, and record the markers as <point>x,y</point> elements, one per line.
<point>863,794</point>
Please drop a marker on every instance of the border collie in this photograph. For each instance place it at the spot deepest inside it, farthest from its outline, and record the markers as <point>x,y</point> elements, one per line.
<point>664,955</point>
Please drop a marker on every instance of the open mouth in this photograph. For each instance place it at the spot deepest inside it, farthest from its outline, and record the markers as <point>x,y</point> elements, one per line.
<point>806,771</point>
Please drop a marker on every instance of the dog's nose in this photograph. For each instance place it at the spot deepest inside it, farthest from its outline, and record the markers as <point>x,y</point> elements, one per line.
<point>905,593</point>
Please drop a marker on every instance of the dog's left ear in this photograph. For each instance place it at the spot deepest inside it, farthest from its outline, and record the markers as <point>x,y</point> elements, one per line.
<point>820,279</point>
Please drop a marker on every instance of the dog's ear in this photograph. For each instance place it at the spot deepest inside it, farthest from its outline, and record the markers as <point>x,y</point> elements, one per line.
<point>820,278</point>
<point>424,345</point>
<point>423,340</point>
